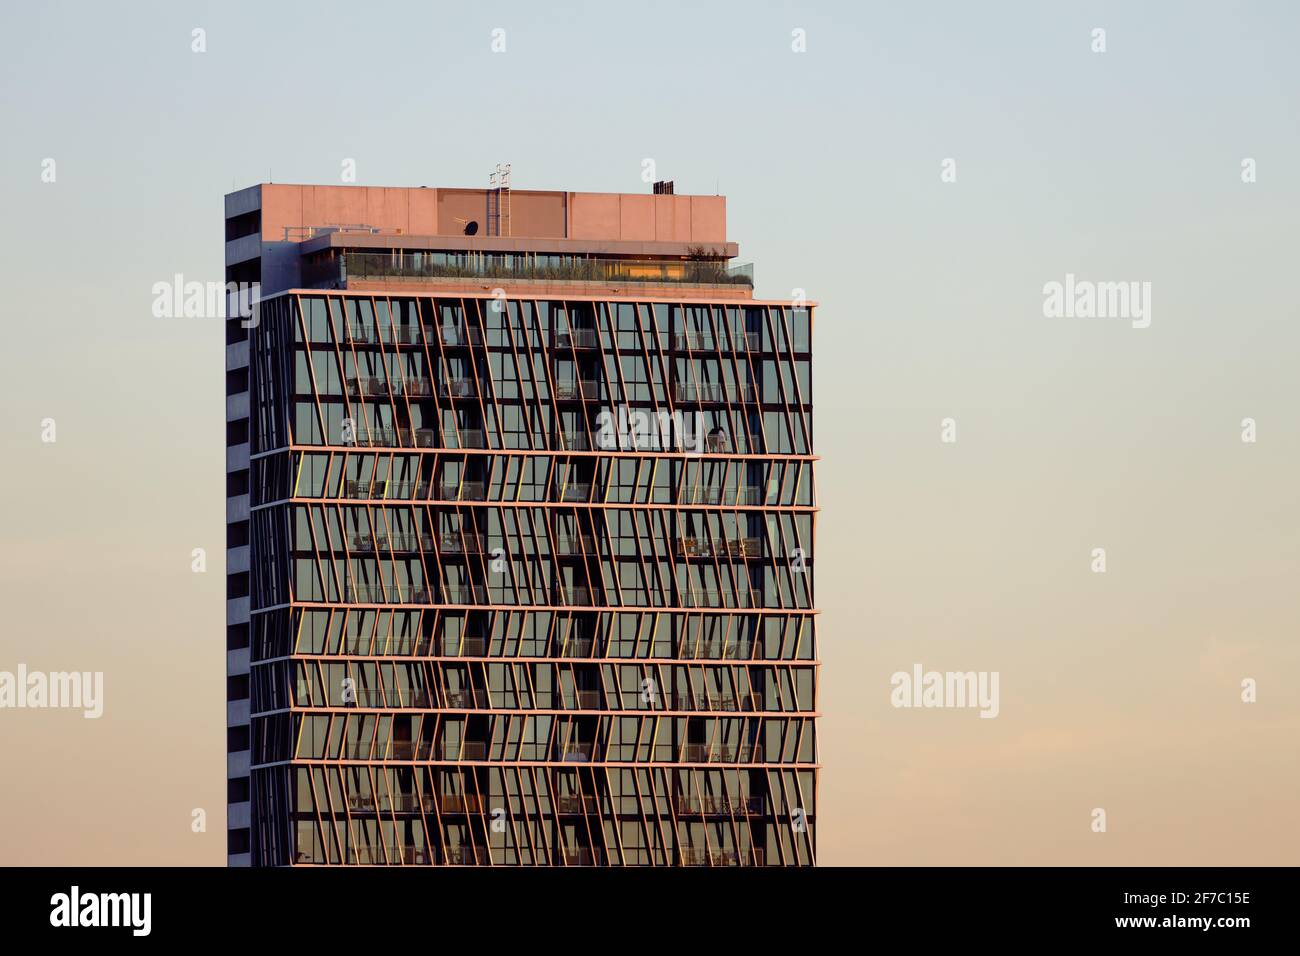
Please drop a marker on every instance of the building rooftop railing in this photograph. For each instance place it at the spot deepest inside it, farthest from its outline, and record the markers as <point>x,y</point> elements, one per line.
<point>556,268</point>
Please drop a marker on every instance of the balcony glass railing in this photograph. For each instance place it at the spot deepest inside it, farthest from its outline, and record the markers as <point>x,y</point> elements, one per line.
<point>717,804</point>
<point>360,333</point>
<point>571,545</point>
<point>391,854</point>
<point>719,547</point>
<point>465,647</point>
<point>384,437</point>
<point>380,698</point>
<point>396,645</point>
<point>462,491</point>
<point>722,496</point>
<point>548,268</point>
<point>379,489</point>
<point>577,647</point>
<point>573,596</point>
<point>715,650</point>
<point>715,392</point>
<point>581,700</point>
<point>577,804</point>
<point>458,335</point>
<point>587,389</point>
<point>705,857</point>
<point>722,753</point>
<point>458,388</point>
<point>572,491</point>
<point>723,341</point>
<point>559,595</point>
<point>572,441</point>
<point>465,594</point>
<point>398,543</point>
<point>725,598</point>
<point>376,594</point>
<point>375,437</point>
<point>451,542</point>
<point>576,339</point>
<point>712,702</point>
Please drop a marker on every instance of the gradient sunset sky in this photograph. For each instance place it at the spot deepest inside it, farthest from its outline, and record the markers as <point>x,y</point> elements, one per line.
<point>1119,691</point>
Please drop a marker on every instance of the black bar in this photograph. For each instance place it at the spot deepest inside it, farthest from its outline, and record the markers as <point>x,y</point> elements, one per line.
<point>691,906</point>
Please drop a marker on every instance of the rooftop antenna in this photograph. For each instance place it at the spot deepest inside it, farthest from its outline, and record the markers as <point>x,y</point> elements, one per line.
<point>499,200</point>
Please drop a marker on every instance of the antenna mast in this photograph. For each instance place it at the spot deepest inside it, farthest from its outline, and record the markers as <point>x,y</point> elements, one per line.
<point>499,201</point>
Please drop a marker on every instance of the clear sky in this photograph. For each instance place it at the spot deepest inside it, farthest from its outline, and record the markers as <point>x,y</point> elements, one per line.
<point>1119,691</point>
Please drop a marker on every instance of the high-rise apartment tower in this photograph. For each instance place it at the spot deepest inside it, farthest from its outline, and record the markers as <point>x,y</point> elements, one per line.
<point>520,519</point>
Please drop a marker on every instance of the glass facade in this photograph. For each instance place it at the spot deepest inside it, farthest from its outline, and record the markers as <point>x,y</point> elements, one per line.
<point>531,581</point>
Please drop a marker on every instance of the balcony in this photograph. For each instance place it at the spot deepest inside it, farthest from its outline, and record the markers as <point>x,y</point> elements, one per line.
<point>414,387</point>
<point>572,441</point>
<point>465,594</point>
<point>739,547</point>
<point>467,856</point>
<point>459,803</point>
<point>378,490</point>
<point>706,598</point>
<point>572,596</point>
<point>466,438</point>
<point>465,647</point>
<point>374,437</point>
<point>717,443</point>
<point>577,647</point>
<point>721,548</point>
<point>462,491</point>
<point>587,390</point>
<point>377,387</point>
<point>717,805</point>
<point>722,753</point>
<point>388,266</point>
<point>366,387</point>
<point>585,803</point>
<point>408,854</point>
<point>704,857</point>
<point>453,542</point>
<point>578,752</point>
<point>394,543</point>
<point>715,650</point>
<point>368,335</point>
<point>707,703</point>
<point>715,393</point>
<point>397,750</point>
<point>457,337</point>
<point>705,342</point>
<point>392,699</point>
<point>582,856</point>
<point>404,645</point>
<point>571,491</point>
<point>384,803</point>
<point>464,750</point>
<point>376,594</point>
<point>467,699</point>
<point>580,545</point>
<point>581,700</point>
<point>576,339</point>
<point>458,388</point>
<point>723,496</point>
<point>391,854</point>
